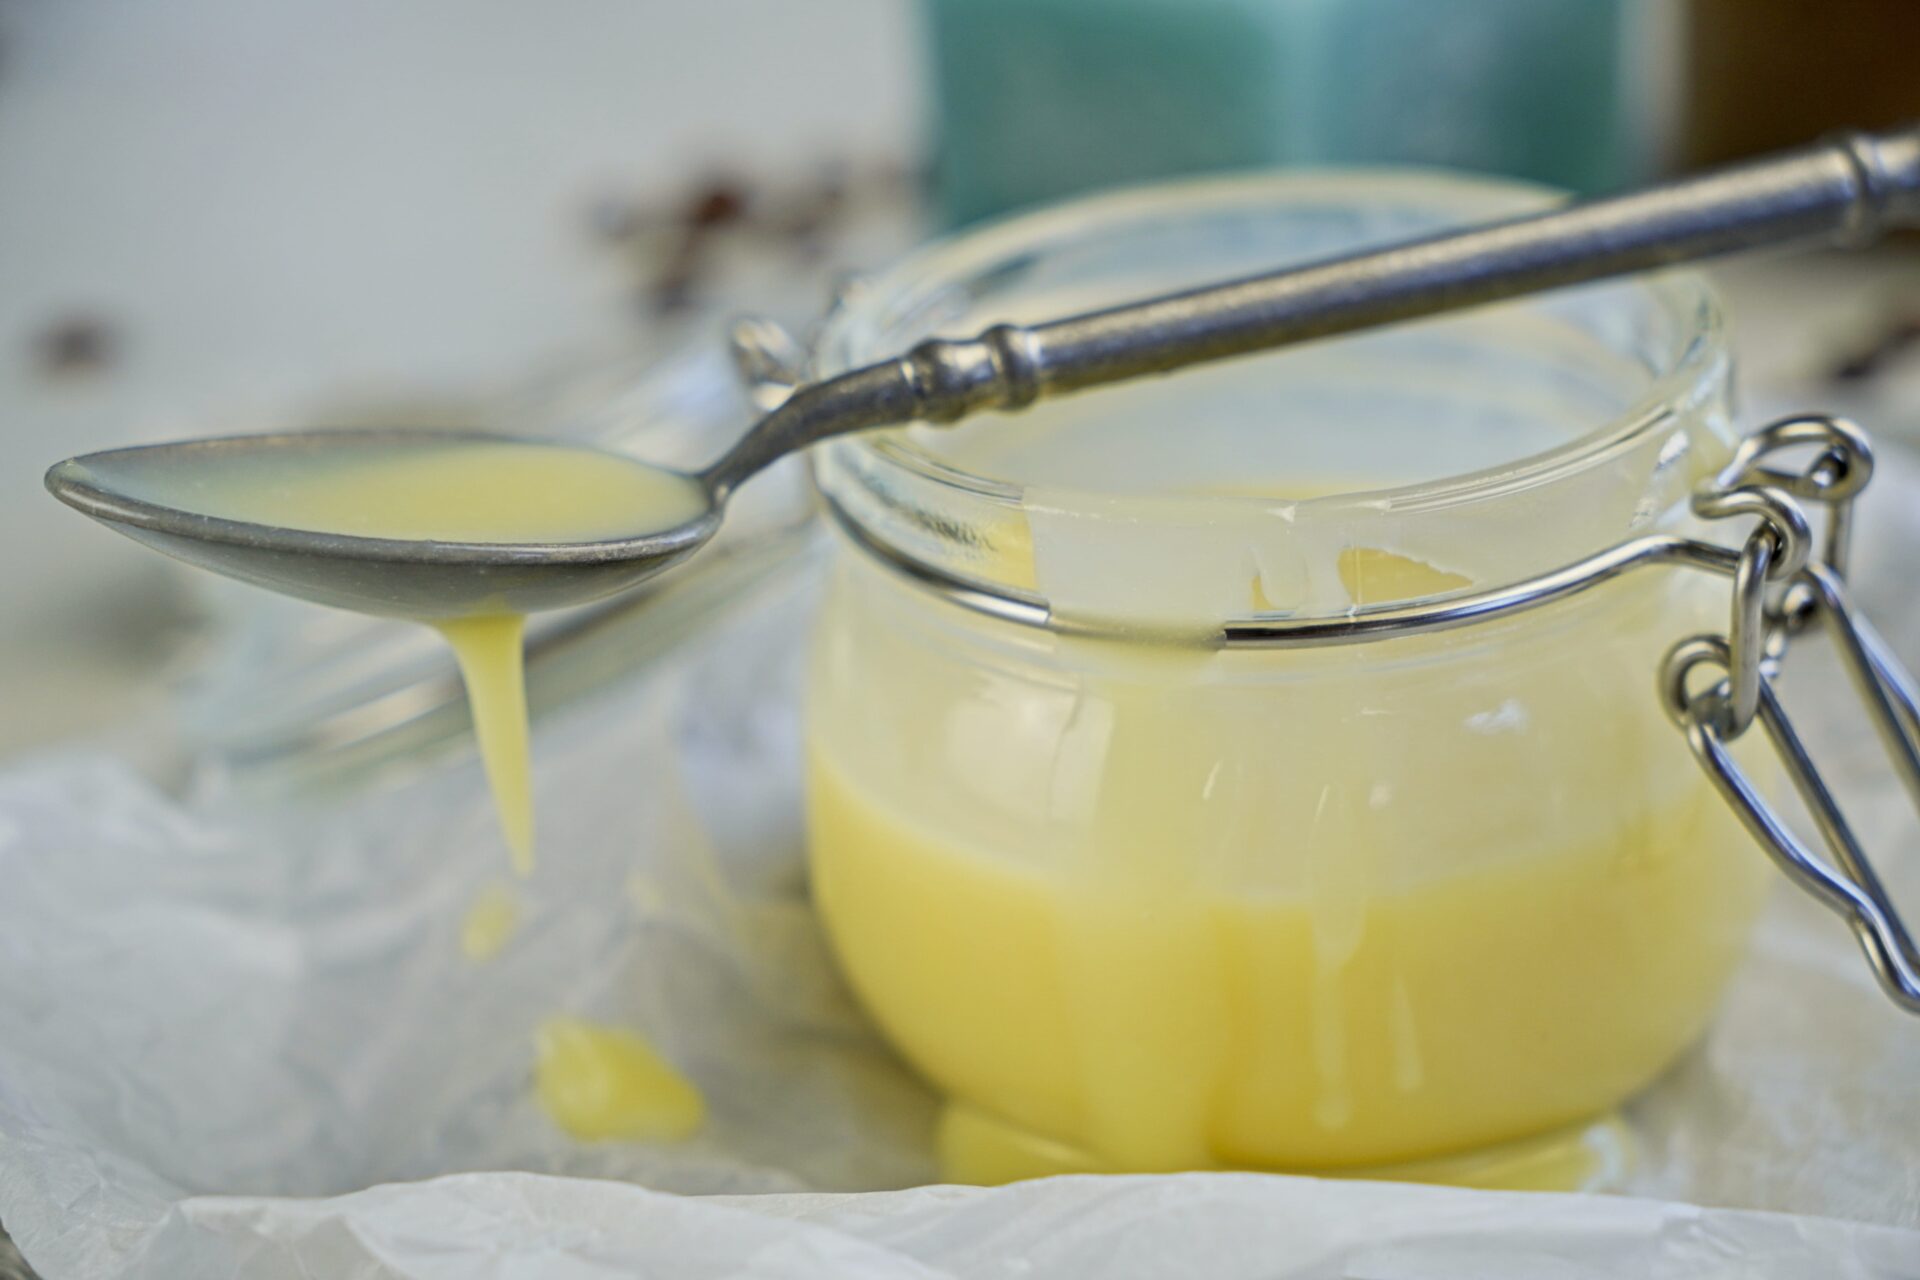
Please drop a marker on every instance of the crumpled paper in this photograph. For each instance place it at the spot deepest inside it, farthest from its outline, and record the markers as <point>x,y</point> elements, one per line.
<point>1223,1226</point>
<point>239,1038</point>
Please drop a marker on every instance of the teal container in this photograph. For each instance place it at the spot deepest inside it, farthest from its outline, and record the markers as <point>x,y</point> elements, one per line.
<point>1039,99</point>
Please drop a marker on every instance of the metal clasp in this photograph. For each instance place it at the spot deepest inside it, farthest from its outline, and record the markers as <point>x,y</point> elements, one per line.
<point>1780,589</point>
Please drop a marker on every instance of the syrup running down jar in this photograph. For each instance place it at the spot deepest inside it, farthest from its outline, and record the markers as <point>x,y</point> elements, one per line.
<point>1265,767</point>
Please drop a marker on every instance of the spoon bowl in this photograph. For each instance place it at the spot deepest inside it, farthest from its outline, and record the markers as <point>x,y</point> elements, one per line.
<point>148,493</point>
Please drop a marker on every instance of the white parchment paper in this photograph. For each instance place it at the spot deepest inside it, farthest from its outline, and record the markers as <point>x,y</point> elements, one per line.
<point>239,1038</point>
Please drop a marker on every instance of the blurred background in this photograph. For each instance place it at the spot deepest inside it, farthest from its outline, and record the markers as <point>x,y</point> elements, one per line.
<point>221,215</point>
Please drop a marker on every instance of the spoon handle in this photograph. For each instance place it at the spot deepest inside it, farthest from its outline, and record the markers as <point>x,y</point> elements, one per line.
<point>1846,192</point>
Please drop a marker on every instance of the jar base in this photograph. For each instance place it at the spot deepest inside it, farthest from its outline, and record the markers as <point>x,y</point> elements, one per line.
<point>978,1148</point>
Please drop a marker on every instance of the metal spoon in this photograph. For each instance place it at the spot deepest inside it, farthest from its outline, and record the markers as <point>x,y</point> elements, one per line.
<point>1845,192</point>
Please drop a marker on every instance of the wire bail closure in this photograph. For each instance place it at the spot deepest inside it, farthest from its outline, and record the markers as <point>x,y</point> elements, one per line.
<point>1780,588</point>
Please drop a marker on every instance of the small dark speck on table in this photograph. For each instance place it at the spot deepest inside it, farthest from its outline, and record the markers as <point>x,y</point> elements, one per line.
<point>675,248</point>
<point>75,346</point>
<point>1893,340</point>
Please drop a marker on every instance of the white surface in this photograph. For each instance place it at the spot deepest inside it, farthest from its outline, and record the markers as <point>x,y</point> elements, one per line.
<point>1221,1226</point>
<point>288,208</point>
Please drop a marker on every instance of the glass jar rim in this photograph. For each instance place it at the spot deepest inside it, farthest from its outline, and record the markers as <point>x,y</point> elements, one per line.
<point>1691,359</point>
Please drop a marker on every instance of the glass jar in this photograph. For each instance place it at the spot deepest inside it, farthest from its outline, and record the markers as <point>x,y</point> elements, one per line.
<point>1137,897</point>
